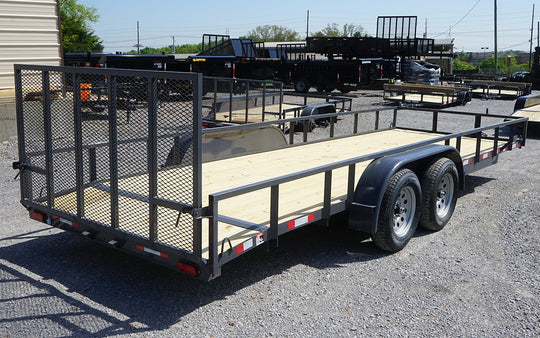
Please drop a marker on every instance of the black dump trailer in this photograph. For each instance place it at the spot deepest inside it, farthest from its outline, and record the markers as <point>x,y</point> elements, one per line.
<point>145,187</point>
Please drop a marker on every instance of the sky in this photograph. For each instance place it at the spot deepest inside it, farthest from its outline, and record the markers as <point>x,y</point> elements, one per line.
<point>469,22</point>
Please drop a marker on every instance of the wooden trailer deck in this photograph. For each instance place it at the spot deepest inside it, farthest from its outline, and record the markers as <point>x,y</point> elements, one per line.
<point>425,95</point>
<point>297,198</point>
<point>423,99</point>
<point>532,112</point>
<point>255,114</point>
<point>498,89</point>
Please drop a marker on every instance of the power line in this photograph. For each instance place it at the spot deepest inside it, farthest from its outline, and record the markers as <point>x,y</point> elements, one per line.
<point>454,25</point>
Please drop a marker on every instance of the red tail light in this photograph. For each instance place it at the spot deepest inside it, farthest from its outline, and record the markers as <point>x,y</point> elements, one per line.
<point>37,216</point>
<point>186,268</point>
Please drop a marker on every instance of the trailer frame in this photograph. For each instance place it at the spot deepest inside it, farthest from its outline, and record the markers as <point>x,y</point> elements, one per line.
<point>57,179</point>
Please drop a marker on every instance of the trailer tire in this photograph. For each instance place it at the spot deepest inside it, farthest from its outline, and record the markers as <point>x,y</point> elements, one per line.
<point>399,212</point>
<point>440,189</point>
<point>302,85</point>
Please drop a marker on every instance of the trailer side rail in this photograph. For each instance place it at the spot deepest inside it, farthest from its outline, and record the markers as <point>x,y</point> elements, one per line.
<point>224,251</point>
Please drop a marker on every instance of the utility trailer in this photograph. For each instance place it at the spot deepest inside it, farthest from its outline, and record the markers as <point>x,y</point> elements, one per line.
<point>236,101</point>
<point>426,95</point>
<point>145,188</point>
<point>498,89</point>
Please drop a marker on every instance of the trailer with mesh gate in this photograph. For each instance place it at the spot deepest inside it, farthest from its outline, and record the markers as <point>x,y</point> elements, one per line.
<point>161,187</point>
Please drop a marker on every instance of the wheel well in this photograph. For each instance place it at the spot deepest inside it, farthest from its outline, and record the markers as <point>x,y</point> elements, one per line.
<point>364,209</point>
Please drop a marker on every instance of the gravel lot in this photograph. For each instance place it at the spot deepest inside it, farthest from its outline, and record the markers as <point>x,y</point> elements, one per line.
<point>479,276</point>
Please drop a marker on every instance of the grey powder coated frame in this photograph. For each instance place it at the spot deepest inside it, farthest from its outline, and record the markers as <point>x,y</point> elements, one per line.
<point>220,253</point>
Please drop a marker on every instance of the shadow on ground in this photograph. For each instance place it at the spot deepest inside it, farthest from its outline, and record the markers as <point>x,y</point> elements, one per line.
<point>120,294</point>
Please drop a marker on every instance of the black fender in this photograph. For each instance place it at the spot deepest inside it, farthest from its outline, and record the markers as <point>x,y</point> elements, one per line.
<point>463,97</point>
<point>364,209</point>
<point>313,110</point>
<point>526,101</point>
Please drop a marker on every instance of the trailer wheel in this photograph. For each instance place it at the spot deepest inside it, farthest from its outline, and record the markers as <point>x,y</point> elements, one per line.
<point>440,187</point>
<point>301,85</point>
<point>399,212</point>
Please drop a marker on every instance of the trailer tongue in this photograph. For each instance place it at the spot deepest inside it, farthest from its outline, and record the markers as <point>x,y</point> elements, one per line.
<point>145,185</point>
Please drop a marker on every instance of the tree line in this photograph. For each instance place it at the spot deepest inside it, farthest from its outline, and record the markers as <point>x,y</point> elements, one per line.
<point>77,35</point>
<point>506,63</point>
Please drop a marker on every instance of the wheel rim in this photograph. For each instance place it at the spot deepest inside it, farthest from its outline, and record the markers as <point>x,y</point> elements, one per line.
<point>445,195</point>
<point>404,211</point>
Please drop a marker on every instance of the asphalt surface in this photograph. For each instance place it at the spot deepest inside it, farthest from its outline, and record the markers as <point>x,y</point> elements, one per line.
<point>479,276</point>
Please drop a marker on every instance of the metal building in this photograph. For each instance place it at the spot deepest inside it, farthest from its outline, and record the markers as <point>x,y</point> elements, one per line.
<point>29,34</point>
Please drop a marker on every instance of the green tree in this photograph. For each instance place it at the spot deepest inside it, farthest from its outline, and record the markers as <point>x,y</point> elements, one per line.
<point>183,49</point>
<point>462,65</point>
<point>77,35</point>
<point>273,33</point>
<point>488,65</point>
<point>348,30</point>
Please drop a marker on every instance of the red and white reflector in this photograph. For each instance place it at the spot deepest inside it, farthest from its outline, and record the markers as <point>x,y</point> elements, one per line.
<point>488,154</point>
<point>300,221</point>
<point>244,246</point>
<point>151,251</point>
<point>250,243</point>
<point>65,221</point>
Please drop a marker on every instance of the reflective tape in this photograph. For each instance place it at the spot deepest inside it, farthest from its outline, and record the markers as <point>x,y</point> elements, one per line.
<point>300,221</point>
<point>151,251</point>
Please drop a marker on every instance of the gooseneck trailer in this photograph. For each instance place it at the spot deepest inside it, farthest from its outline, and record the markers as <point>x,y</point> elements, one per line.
<point>144,186</point>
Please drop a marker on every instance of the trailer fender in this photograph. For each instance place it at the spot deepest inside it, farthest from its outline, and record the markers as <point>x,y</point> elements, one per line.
<point>316,109</point>
<point>365,207</point>
<point>463,97</point>
<point>226,144</point>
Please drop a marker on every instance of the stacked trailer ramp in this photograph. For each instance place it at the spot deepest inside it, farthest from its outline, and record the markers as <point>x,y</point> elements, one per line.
<point>410,94</point>
<point>114,183</point>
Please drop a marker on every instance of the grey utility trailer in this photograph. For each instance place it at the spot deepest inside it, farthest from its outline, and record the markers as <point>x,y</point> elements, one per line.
<point>161,187</point>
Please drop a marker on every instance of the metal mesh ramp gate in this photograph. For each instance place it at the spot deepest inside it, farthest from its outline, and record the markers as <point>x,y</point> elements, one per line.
<point>94,145</point>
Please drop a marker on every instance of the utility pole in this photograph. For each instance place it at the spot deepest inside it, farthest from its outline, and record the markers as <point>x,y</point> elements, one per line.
<point>425,30</point>
<point>307,25</point>
<point>173,46</point>
<point>495,22</point>
<point>138,45</point>
<point>531,40</point>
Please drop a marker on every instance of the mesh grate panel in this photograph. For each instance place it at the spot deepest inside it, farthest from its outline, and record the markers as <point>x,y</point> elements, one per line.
<point>132,140</point>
